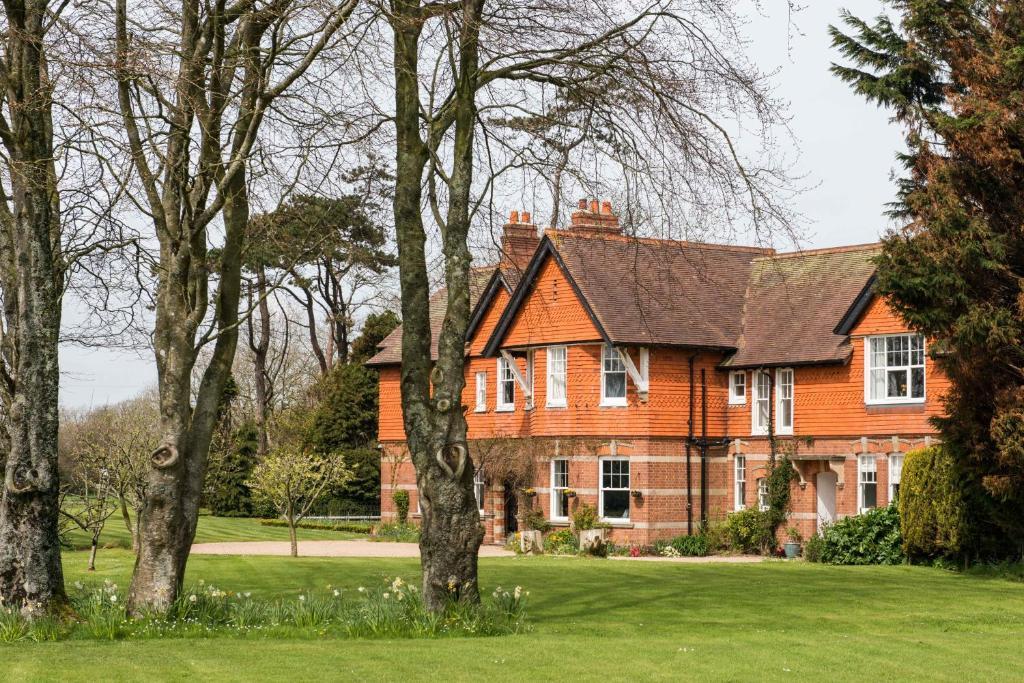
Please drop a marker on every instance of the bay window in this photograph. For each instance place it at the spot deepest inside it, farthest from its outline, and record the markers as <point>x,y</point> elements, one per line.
<point>894,369</point>
<point>559,484</point>
<point>556,384</point>
<point>614,492</point>
<point>613,378</point>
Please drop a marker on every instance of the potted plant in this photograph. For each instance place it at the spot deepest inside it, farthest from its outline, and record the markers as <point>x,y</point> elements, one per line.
<point>792,546</point>
<point>569,493</point>
<point>531,539</point>
<point>530,492</point>
<point>584,522</point>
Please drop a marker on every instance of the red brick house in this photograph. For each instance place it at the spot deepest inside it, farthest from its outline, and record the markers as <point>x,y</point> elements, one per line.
<point>645,374</point>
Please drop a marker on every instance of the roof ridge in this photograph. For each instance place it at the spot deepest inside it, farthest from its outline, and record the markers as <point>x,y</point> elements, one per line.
<point>555,233</point>
<point>823,251</point>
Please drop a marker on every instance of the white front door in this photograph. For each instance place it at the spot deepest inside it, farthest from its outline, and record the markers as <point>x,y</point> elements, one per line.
<point>826,485</point>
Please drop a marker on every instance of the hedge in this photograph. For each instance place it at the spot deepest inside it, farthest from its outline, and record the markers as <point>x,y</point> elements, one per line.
<point>931,505</point>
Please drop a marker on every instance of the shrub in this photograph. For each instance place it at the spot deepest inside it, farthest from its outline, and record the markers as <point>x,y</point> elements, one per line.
<point>870,538</point>
<point>404,533</point>
<point>350,527</point>
<point>585,517</point>
<point>813,548</point>
<point>683,546</point>
<point>562,542</point>
<point>748,531</point>
<point>931,506</point>
<point>401,498</point>
<point>780,479</point>
<point>536,521</point>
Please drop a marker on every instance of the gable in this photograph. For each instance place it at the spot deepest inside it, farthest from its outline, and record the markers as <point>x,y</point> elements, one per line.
<point>487,319</point>
<point>551,313</point>
<point>878,318</point>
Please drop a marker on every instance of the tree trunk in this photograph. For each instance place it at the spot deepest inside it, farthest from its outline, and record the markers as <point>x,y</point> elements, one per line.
<point>92,553</point>
<point>291,531</point>
<point>260,347</point>
<point>126,516</point>
<point>30,564</point>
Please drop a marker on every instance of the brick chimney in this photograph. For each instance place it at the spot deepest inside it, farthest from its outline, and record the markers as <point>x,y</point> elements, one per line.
<point>597,217</point>
<point>519,241</point>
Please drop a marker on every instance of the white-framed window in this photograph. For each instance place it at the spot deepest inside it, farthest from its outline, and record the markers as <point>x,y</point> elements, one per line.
<point>479,489</point>
<point>481,392</point>
<point>737,388</point>
<point>762,494</point>
<point>559,483</point>
<point>740,483</point>
<point>506,386</point>
<point>867,483</point>
<point>613,377</point>
<point>894,369</point>
<point>761,408</point>
<point>784,401</point>
<point>614,499</point>
<point>895,475</point>
<point>557,373</point>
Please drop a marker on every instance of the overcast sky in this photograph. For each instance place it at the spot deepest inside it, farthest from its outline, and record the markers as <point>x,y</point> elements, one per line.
<point>846,152</point>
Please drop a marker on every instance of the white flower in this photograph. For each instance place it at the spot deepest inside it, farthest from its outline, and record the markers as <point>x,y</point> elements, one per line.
<point>362,590</point>
<point>397,583</point>
<point>518,592</point>
<point>337,593</point>
<point>302,598</point>
<point>113,598</point>
<point>248,594</point>
<point>192,598</point>
<point>387,595</point>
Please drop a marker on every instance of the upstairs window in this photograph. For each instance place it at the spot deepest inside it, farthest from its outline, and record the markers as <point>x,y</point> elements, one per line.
<point>895,475</point>
<point>614,502</point>
<point>737,388</point>
<point>481,392</point>
<point>506,386</point>
<point>559,483</point>
<point>556,377</point>
<point>894,369</point>
<point>762,402</point>
<point>613,378</point>
<point>740,483</point>
<point>784,401</point>
<point>867,483</point>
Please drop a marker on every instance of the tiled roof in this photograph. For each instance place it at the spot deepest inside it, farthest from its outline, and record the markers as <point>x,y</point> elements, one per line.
<point>794,302</point>
<point>391,347</point>
<point>660,292</point>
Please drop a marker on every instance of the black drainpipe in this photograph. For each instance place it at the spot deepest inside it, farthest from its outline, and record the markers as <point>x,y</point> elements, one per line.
<point>689,476</point>
<point>703,448</point>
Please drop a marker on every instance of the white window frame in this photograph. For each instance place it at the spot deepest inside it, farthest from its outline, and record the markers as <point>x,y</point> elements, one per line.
<point>762,494</point>
<point>869,366</point>
<point>739,485</point>
<point>552,400</point>
<point>734,399</point>
<point>780,373</point>
<point>556,489</point>
<point>756,428</point>
<point>867,473</point>
<point>609,353</point>
<point>479,489</point>
<point>481,391</point>
<point>895,466</point>
<point>505,369</point>
<point>601,489</point>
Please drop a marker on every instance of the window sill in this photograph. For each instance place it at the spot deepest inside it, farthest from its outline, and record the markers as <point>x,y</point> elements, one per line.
<point>559,522</point>
<point>888,403</point>
<point>604,404</point>
<point>737,403</point>
<point>480,410</point>
<point>561,406</point>
<point>617,523</point>
<point>505,409</point>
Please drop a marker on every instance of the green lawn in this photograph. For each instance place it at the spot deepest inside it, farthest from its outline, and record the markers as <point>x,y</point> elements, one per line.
<point>211,530</point>
<point>598,620</point>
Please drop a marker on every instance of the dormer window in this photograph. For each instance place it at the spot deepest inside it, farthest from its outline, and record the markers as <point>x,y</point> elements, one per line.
<point>613,378</point>
<point>894,369</point>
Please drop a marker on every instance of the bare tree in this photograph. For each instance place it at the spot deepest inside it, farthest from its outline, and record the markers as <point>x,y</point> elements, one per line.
<point>652,95</point>
<point>194,84</point>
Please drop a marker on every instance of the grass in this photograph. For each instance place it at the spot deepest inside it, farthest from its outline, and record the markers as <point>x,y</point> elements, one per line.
<point>213,530</point>
<point>597,620</point>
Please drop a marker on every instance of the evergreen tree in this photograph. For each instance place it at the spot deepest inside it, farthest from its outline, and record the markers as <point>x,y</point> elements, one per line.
<point>227,491</point>
<point>376,327</point>
<point>952,73</point>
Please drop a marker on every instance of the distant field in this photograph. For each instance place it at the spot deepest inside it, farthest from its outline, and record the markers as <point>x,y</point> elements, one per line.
<point>212,530</point>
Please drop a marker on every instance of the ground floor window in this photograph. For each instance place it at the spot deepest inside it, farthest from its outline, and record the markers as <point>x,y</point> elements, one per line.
<point>895,474</point>
<point>740,484</point>
<point>479,488</point>
<point>762,494</point>
<point>867,483</point>
<point>614,499</point>
<point>559,485</point>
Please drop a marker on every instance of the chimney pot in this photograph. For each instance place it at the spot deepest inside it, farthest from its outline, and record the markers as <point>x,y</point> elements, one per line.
<point>513,217</point>
<point>606,208</point>
<point>593,206</point>
<point>526,216</point>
